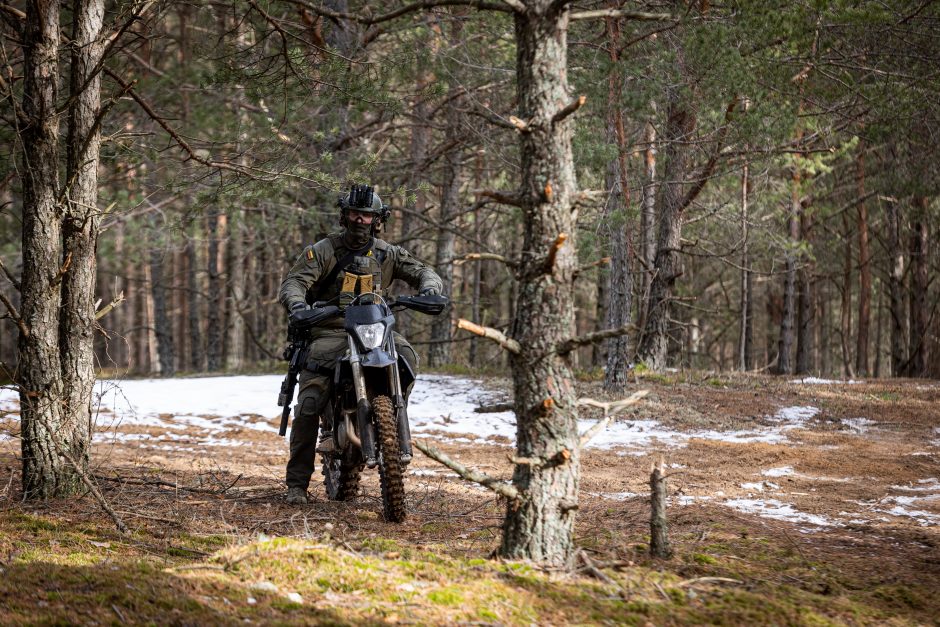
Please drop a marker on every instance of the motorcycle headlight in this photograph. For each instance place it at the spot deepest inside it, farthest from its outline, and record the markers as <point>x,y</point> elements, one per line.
<point>371,335</point>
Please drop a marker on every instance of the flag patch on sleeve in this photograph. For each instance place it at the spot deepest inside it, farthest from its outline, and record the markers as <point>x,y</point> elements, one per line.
<point>310,254</point>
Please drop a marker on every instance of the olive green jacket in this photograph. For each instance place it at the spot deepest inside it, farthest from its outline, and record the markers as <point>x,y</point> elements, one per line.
<point>387,263</point>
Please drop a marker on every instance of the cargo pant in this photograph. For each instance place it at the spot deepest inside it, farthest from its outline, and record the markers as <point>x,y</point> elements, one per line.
<point>326,346</point>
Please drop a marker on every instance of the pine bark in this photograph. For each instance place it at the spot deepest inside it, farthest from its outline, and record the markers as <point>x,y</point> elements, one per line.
<point>214,330</point>
<point>441,327</point>
<point>845,317</point>
<point>620,291</point>
<point>805,301</point>
<point>681,119</point>
<point>895,287</point>
<point>539,525</point>
<point>917,360</point>
<point>42,393</point>
<point>785,344</point>
<point>163,329</point>
<point>746,337</point>
<point>80,236</point>
<point>864,273</point>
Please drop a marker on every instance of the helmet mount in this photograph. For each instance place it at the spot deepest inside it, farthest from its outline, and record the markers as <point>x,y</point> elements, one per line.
<point>364,199</point>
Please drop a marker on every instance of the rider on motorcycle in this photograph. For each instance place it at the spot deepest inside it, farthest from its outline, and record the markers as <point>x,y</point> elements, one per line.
<point>318,275</point>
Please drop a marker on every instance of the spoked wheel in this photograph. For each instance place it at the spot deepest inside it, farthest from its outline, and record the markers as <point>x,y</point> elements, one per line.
<point>341,478</point>
<point>390,471</point>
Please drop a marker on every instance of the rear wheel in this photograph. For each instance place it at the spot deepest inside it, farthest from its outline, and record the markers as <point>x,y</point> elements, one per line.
<point>390,470</point>
<point>341,477</point>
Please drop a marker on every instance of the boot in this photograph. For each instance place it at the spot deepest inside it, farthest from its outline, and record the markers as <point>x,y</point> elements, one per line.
<point>296,496</point>
<point>325,444</point>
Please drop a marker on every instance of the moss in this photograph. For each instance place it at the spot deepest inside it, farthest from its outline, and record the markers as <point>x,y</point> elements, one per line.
<point>445,596</point>
<point>700,558</point>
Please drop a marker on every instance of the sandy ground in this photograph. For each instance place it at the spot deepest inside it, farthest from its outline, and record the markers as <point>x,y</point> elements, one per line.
<point>847,474</point>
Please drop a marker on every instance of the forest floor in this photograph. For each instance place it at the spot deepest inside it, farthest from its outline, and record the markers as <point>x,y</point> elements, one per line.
<point>792,502</point>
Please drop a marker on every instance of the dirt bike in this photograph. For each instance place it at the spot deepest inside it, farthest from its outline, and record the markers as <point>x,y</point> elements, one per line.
<point>368,409</point>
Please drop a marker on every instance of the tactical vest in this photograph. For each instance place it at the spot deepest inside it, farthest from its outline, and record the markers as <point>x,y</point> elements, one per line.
<point>351,274</point>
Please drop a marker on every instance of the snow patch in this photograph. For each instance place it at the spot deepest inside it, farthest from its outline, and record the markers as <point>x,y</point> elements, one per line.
<point>772,508</point>
<point>783,471</point>
<point>858,425</point>
<point>818,381</point>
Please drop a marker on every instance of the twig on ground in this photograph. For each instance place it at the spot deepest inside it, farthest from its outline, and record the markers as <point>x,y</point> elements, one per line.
<point>496,485</point>
<point>611,410</point>
<point>698,580</point>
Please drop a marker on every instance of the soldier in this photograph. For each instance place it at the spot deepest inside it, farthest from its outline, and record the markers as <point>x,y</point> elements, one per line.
<point>318,276</point>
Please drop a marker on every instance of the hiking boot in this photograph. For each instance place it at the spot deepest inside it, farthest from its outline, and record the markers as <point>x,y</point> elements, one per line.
<point>296,496</point>
<point>325,445</point>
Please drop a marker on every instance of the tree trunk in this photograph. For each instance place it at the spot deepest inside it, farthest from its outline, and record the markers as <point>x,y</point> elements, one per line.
<point>785,345</point>
<point>620,292</point>
<point>895,288</point>
<point>439,352</point>
<point>648,217</point>
<point>80,235</point>
<point>163,329</point>
<point>196,346</point>
<point>864,273</point>
<point>539,524</point>
<point>214,330</point>
<point>917,361</point>
<point>42,413</point>
<point>806,300</point>
<point>235,303</point>
<point>667,267</point>
<point>746,338</point>
<point>845,318</point>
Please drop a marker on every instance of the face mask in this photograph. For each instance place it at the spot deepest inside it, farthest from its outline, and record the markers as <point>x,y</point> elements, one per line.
<point>357,235</point>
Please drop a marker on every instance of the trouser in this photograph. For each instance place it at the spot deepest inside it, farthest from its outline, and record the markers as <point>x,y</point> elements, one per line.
<point>326,346</point>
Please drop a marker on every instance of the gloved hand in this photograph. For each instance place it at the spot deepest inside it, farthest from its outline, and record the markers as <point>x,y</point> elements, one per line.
<point>429,291</point>
<point>296,311</point>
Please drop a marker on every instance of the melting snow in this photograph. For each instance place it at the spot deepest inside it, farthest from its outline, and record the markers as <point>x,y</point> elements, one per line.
<point>818,381</point>
<point>783,471</point>
<point>772,508</point>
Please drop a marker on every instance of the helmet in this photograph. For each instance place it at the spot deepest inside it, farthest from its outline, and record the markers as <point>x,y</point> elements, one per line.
<point>363,198</point>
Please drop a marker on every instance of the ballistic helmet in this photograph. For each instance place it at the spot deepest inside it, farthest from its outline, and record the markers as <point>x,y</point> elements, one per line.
<point>363,198</point>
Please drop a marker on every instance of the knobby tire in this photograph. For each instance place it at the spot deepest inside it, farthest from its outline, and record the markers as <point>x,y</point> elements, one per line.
<point>390,471</point>
<point>340,478</point>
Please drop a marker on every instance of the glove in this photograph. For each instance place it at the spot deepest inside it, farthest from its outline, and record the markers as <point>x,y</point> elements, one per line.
<point>296,311</point>
<point>429,291</point>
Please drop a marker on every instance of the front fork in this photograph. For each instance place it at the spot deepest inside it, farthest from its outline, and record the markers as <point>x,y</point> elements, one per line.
<point>363,408</point>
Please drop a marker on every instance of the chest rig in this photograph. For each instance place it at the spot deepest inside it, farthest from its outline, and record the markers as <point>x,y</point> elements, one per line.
<point>356,272</point>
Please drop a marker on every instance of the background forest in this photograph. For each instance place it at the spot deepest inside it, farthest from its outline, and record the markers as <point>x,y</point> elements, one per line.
<point>757,182</point>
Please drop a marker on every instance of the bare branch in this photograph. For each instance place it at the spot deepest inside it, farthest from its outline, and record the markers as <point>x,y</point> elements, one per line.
<point>101,313</point>
<point>611,410</point>
<point>520,125</point>
<point>603,261</point>
<point>506,6</point>
<point>636,16</point>
<point>9,275</point>
<point>592,338</point>
<point>496,485</point>
<point>571,108</point>
<point>709,167</point>
<point>497,336</point>
<point>15,315</point>
<point>485,257</point>
<point>507,198</point>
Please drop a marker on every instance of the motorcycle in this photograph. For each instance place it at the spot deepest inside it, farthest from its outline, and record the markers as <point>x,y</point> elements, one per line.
<point>367,407</point>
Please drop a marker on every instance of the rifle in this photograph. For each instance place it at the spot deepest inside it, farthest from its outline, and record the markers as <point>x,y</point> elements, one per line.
<point>296,355</point>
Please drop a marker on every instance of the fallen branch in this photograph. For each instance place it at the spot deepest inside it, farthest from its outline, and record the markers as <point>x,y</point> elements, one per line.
<point>692,582</point>
<point>611,410</point>
<point>497,336</point>
<point>496,485</point>
<point>592,338</point>
<point>594,571</point>
<point>571,108</point>
<point>101,313</point>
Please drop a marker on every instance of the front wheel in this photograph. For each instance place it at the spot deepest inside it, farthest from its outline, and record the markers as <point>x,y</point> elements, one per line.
<point>390,471</point>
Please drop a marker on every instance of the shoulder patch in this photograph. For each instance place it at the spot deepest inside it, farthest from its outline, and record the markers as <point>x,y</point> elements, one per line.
<point>310,254</point>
